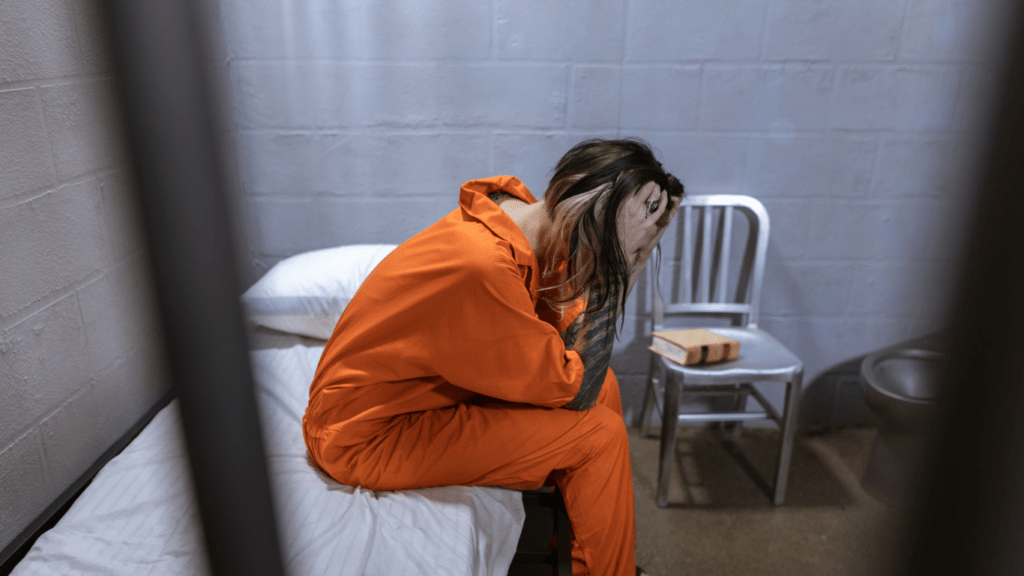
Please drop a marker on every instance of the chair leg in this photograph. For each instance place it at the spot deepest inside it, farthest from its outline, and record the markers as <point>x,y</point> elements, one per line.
<point>741,406</point>
<point>649,404</point>
<point>792,404</point>
<point>669,424</point>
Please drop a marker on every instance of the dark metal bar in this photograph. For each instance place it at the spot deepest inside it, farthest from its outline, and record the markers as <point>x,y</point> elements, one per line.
<point>171,129</point>
<point>969,518</point>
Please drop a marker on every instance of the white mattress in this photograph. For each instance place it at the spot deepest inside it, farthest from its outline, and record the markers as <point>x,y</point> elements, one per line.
<point>140,517</point>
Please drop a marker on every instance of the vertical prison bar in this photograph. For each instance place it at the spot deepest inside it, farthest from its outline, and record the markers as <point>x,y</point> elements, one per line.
<point>175,156</point>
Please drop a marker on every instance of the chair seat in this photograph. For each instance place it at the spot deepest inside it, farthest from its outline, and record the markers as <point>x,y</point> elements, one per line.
<point>762,358</point>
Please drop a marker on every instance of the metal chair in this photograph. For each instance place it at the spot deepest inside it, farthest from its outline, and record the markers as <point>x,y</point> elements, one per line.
<point>710,284</point>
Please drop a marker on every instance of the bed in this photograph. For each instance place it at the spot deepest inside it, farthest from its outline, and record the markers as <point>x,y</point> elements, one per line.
<point>139,515</point>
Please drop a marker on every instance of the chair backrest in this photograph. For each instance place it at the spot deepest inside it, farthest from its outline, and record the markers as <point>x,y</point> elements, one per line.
<point>709,277</point>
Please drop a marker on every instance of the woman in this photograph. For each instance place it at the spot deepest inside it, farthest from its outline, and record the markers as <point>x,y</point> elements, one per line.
<point>477,352</point>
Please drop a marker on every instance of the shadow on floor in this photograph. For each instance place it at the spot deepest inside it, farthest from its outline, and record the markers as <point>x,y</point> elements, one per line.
<point>721,520</point>
<point>712,469</point>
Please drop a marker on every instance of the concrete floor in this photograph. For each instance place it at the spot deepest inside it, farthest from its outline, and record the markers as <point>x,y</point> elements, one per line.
<point>720,519</point>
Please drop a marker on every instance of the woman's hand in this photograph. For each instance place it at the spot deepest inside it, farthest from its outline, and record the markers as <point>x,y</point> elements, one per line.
<point>643,218</point>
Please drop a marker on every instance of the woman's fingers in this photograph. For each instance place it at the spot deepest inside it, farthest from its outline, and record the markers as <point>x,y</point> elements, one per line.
<point>643,219</point>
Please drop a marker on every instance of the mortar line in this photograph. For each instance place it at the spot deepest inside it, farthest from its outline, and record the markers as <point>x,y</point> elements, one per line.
<point>75,14</point>
<point>762,49</point>
<point>49,136</point>
<point>54,296</point>
<point>36,193</point>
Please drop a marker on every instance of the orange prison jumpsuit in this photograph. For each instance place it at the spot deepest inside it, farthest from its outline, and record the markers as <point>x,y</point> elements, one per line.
<point>441,371</point>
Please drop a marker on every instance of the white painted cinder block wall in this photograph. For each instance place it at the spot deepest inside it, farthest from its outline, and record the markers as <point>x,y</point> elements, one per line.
<point>79,356</point>
<point>852,120</point>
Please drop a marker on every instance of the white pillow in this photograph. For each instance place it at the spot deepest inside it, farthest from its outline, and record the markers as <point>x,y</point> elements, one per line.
<point>306,293</point>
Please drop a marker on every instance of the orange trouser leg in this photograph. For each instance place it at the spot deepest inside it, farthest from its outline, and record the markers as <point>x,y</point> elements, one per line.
<point>517,446</point>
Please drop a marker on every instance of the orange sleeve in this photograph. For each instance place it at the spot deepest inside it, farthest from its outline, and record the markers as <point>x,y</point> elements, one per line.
<point>493,343</point>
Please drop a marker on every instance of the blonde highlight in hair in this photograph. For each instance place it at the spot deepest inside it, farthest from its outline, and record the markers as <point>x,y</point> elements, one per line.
<point>557,254</point>
<point>583,254</point>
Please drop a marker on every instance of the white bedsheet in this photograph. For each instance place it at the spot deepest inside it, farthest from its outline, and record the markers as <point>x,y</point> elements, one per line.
<point>140,517</point>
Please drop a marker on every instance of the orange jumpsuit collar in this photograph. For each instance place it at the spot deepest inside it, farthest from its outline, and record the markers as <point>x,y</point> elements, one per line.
<point>476,205</point>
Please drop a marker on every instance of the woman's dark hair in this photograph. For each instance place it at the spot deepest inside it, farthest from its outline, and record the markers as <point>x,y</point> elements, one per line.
<point>583,198</point>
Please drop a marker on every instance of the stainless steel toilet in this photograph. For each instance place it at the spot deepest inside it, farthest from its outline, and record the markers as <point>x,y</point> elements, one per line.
<point>900,385</point>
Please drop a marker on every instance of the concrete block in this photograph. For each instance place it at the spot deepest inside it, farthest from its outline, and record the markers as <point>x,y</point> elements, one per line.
<point>810,166</point>
<point>953,30</point>
<point>949,230</point>
<point>901,99</point>
<point>977,98</point>
<point>783,329</point>
<point>363,165</point>
<point>85,127</point>
<point>133,384</point>
<point>25,160</point>
<point>291,226</point>
<point>909,290</point>
<point>253,29</point>
<point>24,489</point>
<point>681,31</point>
<point>385,30</point>
<point>532,157</point>
<point>774,98</point>
<point>660,98</point>
<point>595,97</point>
<point>527,96</point>
<point>43,360</point>
<point>276,94</point>
<point>93,36</point>
<point>49,243</point>
<point>394,29</point>
<point>76,434</point>
<point>806,289</point>
<point>704,163</point>
<point>921,168</point>
<point>84,426</point>
<point>119,312</point>
<point>867,30</point>
<point>789,223</point>
<point>322,94</point>
<point>574,30</point>
<point>37,40</point>
<point>106,322</point>
<point>339,95</point>
<point>122,215</point>
<point>868,231</point>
